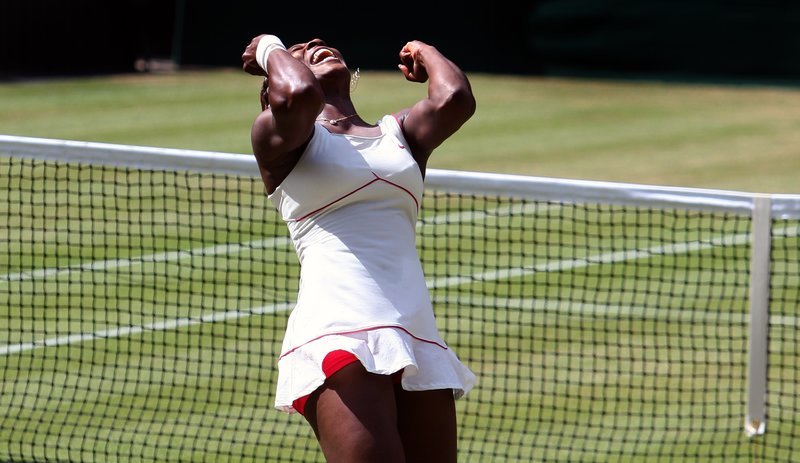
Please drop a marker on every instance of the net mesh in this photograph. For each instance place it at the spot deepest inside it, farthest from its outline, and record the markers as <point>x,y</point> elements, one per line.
<point>142,314</point>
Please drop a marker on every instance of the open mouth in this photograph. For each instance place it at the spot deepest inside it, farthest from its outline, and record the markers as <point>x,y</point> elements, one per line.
<point>322,54</point>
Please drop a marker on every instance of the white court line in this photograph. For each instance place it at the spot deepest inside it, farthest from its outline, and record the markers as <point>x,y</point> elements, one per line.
<point>104,265</point>
<point>222,249</point>
<point>582,308</point>
<point>555,266</point>
<point>136,329</point>
<point>171,256</point>
<point>178,255</point>
<point>470,215</point>
<point>607,258</point>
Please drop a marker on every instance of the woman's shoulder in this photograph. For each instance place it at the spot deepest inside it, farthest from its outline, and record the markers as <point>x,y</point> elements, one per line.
<point>393,123</point>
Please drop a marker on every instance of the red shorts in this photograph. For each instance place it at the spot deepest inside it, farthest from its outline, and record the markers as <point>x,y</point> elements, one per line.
<point>333,362</point>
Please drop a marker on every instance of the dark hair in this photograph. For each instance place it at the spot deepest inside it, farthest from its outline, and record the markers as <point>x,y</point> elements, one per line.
<point>264,93</point>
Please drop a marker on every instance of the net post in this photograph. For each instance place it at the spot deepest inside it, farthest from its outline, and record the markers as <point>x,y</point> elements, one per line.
<point>755,419</point>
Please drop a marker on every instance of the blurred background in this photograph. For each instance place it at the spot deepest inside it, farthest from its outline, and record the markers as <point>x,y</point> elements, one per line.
<point>701,93</point>
<point>682,39</point>
<point>599,332</point>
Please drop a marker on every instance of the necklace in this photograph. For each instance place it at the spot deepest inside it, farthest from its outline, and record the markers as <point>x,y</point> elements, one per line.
<point>337,120</point>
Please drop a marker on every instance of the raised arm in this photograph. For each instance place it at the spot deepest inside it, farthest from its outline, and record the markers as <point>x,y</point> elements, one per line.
<point>449,103</point>
<point>291,100</point>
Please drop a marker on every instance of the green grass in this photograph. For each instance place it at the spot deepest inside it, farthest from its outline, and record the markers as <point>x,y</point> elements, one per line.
<point>742,137</point>
<point>583,352</point>
<point>611,358</point>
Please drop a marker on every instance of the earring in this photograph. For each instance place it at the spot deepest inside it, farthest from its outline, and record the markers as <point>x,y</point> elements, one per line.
<point>354,80</point>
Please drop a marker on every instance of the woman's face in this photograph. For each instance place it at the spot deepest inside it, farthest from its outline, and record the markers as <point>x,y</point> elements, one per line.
<point>318,56</point>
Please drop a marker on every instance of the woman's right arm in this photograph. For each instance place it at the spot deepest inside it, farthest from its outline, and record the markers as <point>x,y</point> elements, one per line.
<point>294,100</point>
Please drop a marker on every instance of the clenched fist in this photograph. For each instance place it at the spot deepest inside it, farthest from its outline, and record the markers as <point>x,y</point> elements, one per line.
<point>411,64</point>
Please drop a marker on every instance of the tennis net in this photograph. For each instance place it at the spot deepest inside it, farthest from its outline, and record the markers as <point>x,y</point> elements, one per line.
<point>144,292</point>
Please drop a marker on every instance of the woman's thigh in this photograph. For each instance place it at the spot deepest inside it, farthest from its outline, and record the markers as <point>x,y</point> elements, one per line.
<point>427,423</point>
<point>354,416</point>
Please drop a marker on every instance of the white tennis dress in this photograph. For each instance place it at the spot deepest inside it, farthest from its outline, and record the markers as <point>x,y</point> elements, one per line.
<point>351,206</point>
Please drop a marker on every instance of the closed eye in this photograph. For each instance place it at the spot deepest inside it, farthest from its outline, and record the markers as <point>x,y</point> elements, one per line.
<point>297,50</point>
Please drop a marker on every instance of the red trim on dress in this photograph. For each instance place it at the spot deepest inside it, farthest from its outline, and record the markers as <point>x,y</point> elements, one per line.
<point>399,121</point>
<point>337,200</point>
<point>416,203</point>
<point>360,331</point>
<point>376,179</point>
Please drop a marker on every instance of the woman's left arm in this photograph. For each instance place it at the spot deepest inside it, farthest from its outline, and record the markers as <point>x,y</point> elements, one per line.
<point>449,103</point>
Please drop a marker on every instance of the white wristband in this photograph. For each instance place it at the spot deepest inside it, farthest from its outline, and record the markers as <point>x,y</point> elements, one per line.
<point>265,47</point>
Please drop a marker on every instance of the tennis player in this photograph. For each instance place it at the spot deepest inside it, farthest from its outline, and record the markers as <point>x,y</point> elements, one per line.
<point>362,359</point>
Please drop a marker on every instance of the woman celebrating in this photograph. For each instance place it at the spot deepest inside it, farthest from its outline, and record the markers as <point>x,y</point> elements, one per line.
<point>362,359</point>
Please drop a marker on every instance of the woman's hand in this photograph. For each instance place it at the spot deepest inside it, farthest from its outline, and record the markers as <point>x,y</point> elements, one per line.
<point>250,65</point>
<point>411,64</point>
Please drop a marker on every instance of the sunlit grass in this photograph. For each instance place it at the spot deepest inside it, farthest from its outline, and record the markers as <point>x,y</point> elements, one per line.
<point>743,137</point>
